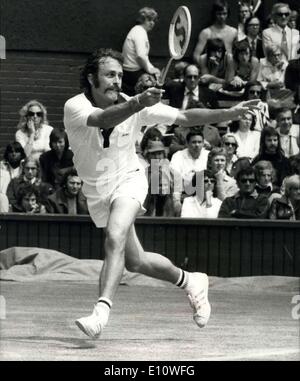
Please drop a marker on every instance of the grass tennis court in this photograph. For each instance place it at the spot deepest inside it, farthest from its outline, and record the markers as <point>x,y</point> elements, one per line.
<point>151,323</point>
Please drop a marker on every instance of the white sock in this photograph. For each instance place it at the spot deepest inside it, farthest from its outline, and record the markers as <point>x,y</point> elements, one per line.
<point>183,279</point>
<point>105,301</point>
<point>103,308</point>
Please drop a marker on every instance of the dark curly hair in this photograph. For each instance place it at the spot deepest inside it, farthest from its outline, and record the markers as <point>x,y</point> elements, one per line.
<point>92,66</point>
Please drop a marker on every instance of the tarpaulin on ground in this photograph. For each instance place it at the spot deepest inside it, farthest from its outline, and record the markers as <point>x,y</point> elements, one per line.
<point>27,264</point>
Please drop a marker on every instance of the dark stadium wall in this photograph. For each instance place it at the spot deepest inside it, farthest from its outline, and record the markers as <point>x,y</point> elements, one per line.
<point>82,25</point>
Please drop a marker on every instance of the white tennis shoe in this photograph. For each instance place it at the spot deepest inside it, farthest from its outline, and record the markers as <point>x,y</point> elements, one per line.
<point>93,324</point>
<point>197,290</point>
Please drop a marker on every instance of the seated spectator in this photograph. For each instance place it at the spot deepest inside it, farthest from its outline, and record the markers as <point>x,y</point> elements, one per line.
<point>272,76</point>
<point>211,134</point>
<point>215,65</point>
<point>203,203</point>
<point>4,204</point>
<point>30,175</point>
<point>255,90</point>
<point>178,139</point>
<point>246,203</point>
<point>179,67</point>
<point>28,200</point>
<point>10,166</point>
<point>280,34</point>
<point>191,159</point>
<point>288,132</point>
<point>68,199</point>
<point>59,158</point>
<point>252,35</point>
<point>244,67</point>
<point>293,20</point>
<point>175,139</point>
<point>225,185</point>
<point>272,69</point>
<point>244,15</point>
<point>241,163</point>
<point>264,174</point>
<point>219,29</point>
<point>162,183</point>
<point>295,164</point>
<point>269,22</point>
<point>144,82</point>
<point>247,138</point>
<point>151,134</point>
<point>230,144</point>
<point>270,150</point>
<point>182,94</point>
<point>33,129</point>
<point>288,206</point>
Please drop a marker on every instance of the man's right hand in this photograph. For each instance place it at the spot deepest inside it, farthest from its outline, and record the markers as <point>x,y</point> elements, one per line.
<point>237,111</point>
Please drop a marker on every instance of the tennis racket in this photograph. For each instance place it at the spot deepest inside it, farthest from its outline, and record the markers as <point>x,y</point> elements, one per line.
<point>179,38</point>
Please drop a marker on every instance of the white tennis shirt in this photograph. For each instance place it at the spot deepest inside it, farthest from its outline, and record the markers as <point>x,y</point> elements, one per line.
<point>95,163</point>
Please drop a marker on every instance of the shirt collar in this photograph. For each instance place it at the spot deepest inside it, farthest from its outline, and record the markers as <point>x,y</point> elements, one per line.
<point>269,187</point>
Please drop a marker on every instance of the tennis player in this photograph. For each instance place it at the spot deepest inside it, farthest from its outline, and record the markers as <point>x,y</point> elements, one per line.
<point>102,125</point>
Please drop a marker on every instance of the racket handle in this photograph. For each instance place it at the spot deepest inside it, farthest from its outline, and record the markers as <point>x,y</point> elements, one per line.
<point>162,79</point>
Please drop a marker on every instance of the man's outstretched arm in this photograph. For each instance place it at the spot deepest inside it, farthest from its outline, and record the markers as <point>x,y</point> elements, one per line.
<point>197,116</point>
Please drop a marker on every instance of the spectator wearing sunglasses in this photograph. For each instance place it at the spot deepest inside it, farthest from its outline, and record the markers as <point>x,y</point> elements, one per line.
<point>182,94</point>
<point>33,129</point>
<point>230,144</point>
<point>246,203</point>
<point>255,90</point>
<point>281,34</point>
<point>203,203</point>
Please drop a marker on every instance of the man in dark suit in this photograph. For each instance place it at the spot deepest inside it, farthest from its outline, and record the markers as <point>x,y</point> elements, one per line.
<point>181,94</point>
<point>252,31</point>
<point>189,94</point>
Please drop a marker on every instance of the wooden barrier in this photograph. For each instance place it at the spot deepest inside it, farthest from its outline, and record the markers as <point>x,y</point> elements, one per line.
<point>219,247</point>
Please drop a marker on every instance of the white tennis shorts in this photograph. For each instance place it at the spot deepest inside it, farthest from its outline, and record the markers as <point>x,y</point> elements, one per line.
<point>133,185</point>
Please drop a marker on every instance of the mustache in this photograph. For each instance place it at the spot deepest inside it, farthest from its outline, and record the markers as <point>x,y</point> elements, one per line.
<point>114,88</point>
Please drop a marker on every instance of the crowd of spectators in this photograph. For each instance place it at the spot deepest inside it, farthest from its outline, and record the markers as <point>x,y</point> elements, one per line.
<point>248,168</point>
